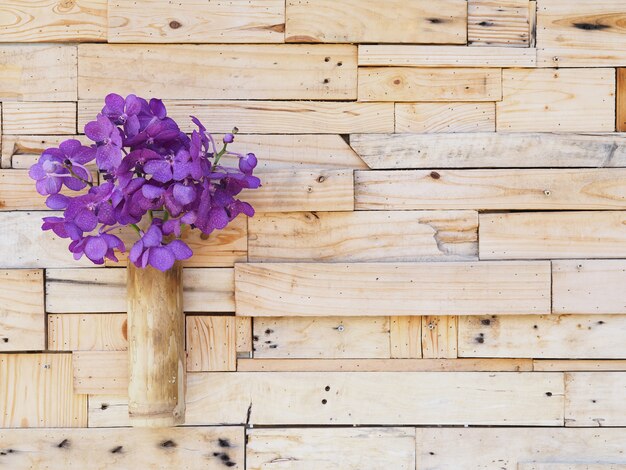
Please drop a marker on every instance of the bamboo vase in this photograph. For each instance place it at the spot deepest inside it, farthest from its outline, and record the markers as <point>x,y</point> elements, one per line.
<point>156,333</point>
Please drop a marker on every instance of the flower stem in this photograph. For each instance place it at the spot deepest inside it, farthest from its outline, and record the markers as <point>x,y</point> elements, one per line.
<point>136,228</point>
<point>88,183</point>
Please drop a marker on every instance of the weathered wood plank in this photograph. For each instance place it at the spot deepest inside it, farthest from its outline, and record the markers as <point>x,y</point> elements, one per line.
<point>22,317</point>
<point>549,100</point>
<point>211,343</point>
<point>332,449</point>
<point>491,189</point>
<point>582,365</point>
<point>243,326</point>
<point>419,84</point>
<point>121,449</point>
<point>104,290</point>
<point>528,398</point>
<point>445,117</point>
<point>445,56</point>
<point>100,373</point>
<point>491,150</point>
<point>570,466</point>
<point>552,235</point>
<point>196,21</point>
<point>385,365</point>
<point>355,21</point>
<point>498,23</point>
<point>87,332</point>
<point>363,236</point>
<point>405,337</point>
<point>271,117</point>
<point>439,337</point>
<point>589,286</point>
<point>621,100</point>
<point>363,289</point>
<point>220,74</point>
<point>38,118</point>
<point>52,21</point>
<point>321,337</point>
<point>543,336</point>
<point>581,33</point>
<point>303,190</point>
<point>109,410</point>
<point>37,392</point>
<point>595,399</point>
<point>443,448</point>
<point>21,151</point>
<point>38,72</point>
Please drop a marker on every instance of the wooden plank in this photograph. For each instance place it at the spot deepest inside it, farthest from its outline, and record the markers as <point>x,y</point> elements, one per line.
<point>39,118</point>
<point>121,449</point>
<point>355,21</point>
<point>405,337</point>
<point>38,249</point>
<point>498,23</point>
<point>418,84</point>
<point>439,337</point>
<point>305,73</point>
<point>588,286</point>
<point>104,290</point>
<point>621,100</point>
<point>211,343</point>
<point>443,448</point>
<point>547,100</point>
<point>445,56</point>
<point>584,365</point>
<point>586,34</point>
<point>303,190</point>
<point>552,235</point>
<point>243,327</point>
<point>108,411</point>
<point>38,72</point>
<point>363,236</point>
<point>384,365</point>
<point>22,317</point>
<point>491,150</point>
<point>100,373</point>
<point>21,151</point>
<point>362,289</point>
<point>347,398</point>
<point>595,399</point>
<point>154,21</point>
<point>543,336</point>
<point>87,332</point>
<point>445,117</point>
<point>321,337</point>
<point>517,189</point>
<point>51,21</point>
<point>272,117</point>
<point>37,392</point>
<point>332,449</point>
<point>570,466</point>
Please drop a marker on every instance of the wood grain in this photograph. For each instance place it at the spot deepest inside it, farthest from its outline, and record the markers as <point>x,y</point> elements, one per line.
<point>363,236</point>
<point>38,72</point>
<point>445,117</point>
<point>550,235</point>
<point>405,337</point>
<point>579,365</point>
<point>53,21</point>
<point>547,100</point>
<point>543,336</point>
<point>22,317</point>
<point>533,189</point>
<point>101,373</point>
<point>621,100</point>
<point>155,21</point>
<point>219,73</point>
<point>356,21</point>
<point>38,118</point>
<point>498,23</point>
<point>416,84</point>
<point>362,289</point>
<point>595,399</point>
<point>211,343</point>
<point>570,466</point>
<point>103,290</point>
<point>490,150</point>
<point>37,392</point>
<point>439,337</point>
<point>87,332</point>
<point>321,337</point>
<point>243,339</point>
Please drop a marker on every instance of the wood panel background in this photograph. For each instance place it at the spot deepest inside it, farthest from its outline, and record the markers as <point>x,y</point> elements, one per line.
<point>434,278</point>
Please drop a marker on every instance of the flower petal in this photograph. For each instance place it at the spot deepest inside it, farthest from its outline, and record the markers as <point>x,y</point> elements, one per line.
<point>95,248</point>
<point>180,250</point>
<point>184,194</point>
<point>161,258</point>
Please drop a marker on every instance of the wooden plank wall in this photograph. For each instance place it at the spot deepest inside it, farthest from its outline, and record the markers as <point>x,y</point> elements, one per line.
<point>435,275</point>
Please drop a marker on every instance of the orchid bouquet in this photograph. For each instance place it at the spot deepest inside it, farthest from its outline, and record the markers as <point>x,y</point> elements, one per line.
<point>148,167</point>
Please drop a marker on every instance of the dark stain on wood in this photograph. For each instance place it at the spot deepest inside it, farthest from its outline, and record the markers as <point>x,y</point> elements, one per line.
<point>64,444</point>
<point>168,444</point>
<point>591,26</point>
<point>117,450</point>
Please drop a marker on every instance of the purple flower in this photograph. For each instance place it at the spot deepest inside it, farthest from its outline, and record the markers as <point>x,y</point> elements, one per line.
<point>149,250</point>
<point>97,247</point>
<point>108,140</point>
<point>53,168</point>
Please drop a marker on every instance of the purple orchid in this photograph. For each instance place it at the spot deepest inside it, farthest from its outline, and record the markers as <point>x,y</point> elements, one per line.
<point>153,177</point>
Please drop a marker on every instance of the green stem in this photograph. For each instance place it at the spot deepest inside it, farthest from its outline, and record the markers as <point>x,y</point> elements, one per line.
<point>136,228</point>
<point>219,155</point>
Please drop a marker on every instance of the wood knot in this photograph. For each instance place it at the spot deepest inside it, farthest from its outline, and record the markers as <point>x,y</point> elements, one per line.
<point>175,24</point>
<point>321,179</point>
<point>434,175</point>
<point>168,443</point>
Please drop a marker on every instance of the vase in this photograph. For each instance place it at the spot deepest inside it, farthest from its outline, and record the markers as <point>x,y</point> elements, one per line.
<point>156,346</point>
